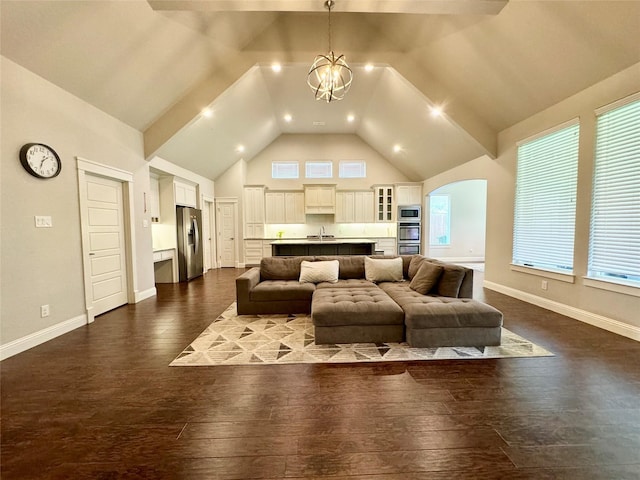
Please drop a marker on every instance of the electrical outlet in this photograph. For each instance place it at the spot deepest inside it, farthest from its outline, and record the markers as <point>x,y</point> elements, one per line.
<point>44,311</point>
<point>544,285</point>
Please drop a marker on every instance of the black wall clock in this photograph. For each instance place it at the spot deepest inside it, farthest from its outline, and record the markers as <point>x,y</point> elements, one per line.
<point>40,160</point>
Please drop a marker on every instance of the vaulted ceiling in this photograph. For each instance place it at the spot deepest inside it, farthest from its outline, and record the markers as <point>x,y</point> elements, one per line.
<point>156,64</point>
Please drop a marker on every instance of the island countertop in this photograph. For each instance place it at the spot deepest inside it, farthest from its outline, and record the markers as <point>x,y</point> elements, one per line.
<point>329,241</point>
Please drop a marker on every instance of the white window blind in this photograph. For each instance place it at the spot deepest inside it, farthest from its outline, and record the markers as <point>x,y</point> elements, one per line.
<point>284,169</point>
<point>545,209</point>
<point>614,247</point>
<point>319,169</point>
<point>352,169</point>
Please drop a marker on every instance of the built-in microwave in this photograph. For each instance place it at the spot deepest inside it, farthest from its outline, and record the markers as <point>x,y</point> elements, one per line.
<point>409,212</point>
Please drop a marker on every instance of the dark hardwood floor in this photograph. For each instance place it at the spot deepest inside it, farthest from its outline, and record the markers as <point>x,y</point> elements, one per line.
<point>101,402</point>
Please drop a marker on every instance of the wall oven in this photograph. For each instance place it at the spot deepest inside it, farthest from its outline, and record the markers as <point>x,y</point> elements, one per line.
<point>409,232</point>
<point>408,248</point>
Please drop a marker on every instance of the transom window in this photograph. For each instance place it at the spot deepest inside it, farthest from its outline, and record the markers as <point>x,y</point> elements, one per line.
<point>352,169</point>
<point>284,169</point>
<point>319,169</point>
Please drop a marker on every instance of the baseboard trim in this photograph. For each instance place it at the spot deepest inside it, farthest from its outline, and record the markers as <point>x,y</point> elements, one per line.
<point>37,338</point>
<point>139,296</point>
<point>585,316</point>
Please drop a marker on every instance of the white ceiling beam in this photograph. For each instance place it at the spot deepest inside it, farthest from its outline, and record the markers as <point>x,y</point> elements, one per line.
<point>431,7</point>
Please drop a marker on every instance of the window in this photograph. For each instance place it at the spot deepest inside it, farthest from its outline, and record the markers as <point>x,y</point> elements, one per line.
<point>439,220</point>
<point>284,170</point>
<point>614,246</point>
<point>545,207</point>
<point>319,169</point>
<point>353,169</point>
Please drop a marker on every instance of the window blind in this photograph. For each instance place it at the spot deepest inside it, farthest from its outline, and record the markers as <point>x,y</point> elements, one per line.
<point>545,207</point>
<point>352,169</point>
<point>319,169</point>
<point>614,246</point>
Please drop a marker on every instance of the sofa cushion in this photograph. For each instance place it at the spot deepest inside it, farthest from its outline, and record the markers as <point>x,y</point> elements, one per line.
<point>383,270</point>
<point>281,268</point>
<point>414,265</point>
<point>348,283</point>
<point>316,272</point>
<point>350,266</point>
<point>278,290</point>
<point>450,281</point>
<point>357,306</point>
<point>426,277</point>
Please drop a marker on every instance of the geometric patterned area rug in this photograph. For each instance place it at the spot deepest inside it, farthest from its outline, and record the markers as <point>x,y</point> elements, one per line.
<point>234,339</point>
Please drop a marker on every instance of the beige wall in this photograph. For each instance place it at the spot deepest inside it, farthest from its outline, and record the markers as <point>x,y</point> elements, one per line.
<point>321,147</point>
<point>44,266</point>
<point>617,306</point>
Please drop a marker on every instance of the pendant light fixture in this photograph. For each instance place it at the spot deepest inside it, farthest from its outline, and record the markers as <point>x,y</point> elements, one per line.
<point>329,77</point>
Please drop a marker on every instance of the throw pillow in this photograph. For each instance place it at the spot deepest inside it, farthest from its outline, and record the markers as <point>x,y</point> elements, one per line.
<point>426,277</point>
<point>383,270</point>
<point>414,265</point>
<point>450,281</point>
<point>316,272</point>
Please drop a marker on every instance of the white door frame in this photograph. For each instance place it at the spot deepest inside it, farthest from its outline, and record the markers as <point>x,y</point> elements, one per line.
<point>126,178</point>
<point>211,211</point>
<point>236,238</point>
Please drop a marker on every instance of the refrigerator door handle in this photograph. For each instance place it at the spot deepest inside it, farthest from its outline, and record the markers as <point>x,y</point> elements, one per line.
<point>196,235</point>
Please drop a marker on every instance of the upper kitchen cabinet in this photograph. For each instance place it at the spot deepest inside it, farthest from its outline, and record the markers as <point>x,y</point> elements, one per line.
<point>185,193</point>
<point>355,207</point>
<point>409,194</point>
<point>253,209</point>
<point>385,205</point>
<point>320,199</point>
<point>284,207</point>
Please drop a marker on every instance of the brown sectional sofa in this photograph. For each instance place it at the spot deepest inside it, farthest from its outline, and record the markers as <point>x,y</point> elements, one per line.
<point>355,310</point>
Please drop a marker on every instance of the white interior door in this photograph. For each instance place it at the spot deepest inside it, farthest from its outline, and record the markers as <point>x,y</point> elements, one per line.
<point>227,233</point>
<point>106,249</point>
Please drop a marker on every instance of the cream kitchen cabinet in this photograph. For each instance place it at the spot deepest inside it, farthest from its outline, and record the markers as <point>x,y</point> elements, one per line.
<point>185,194</point>
<point>354,207</point>
<point>284,207</point>
<point>320,199</point>
<point>386,245</point>
<point>253,209</point>
<point>252,252</point>
<point>154,199</point>
<point>385,204</point>
<point>409,194</point>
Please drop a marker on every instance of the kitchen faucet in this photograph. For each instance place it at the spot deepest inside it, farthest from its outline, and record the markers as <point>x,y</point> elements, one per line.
<point>322,232</point>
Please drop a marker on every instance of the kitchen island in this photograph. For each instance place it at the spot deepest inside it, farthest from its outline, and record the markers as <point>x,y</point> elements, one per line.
<point>324,246</point>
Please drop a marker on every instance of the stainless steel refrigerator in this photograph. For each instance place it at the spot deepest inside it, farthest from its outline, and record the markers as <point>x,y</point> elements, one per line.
<point>189,221</point>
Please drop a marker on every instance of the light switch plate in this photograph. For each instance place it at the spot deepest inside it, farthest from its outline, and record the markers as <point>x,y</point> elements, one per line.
<point>43,221</point>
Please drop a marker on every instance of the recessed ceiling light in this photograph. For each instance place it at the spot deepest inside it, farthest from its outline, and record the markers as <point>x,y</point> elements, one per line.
<point>397,148</point>
<point>350,118</point>
<point>368,67</point>
<point>240,148</point>
<point>207,112</point>
<point>436,111</point>
<point>287,118</point>
<point>276,67</point>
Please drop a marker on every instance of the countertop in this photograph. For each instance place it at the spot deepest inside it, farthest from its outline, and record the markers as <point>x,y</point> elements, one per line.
<point>330,241</point>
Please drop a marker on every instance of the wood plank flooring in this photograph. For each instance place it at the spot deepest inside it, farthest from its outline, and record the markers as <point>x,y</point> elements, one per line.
<point>101,403</point>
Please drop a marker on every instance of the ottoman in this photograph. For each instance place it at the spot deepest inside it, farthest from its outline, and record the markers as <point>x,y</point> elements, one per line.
<point>451,322</point>
<point>356,315</point>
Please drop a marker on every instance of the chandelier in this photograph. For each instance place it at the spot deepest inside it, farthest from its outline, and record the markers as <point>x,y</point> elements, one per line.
<point>329,77</point>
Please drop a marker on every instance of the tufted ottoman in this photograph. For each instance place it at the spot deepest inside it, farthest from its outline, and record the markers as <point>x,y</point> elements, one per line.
<point>356,315</point>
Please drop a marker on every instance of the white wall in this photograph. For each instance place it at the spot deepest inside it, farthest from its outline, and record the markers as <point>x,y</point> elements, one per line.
<point>468,213</point>
<point>44,266</point>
